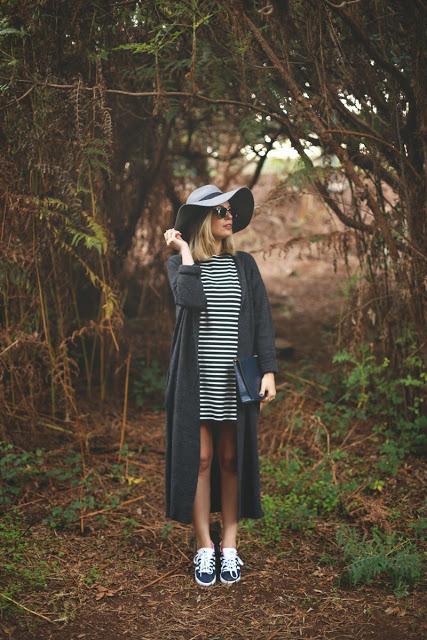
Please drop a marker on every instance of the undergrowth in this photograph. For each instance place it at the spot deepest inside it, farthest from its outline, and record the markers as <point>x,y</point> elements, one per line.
<point>389,556</point>
<point>364,388</point>
<point>299,490</point>
<point>23,567</point>
<point>22,471</point>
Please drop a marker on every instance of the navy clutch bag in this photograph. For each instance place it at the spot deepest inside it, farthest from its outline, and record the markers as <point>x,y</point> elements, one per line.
<point>248,378</point>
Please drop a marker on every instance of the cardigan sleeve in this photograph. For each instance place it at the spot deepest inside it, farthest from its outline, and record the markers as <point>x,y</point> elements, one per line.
<point>186,283</point>
<point>264,329</point>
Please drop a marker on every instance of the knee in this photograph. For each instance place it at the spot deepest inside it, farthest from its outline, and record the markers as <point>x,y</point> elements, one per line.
<point>205,463</point>
<point>228,462</point>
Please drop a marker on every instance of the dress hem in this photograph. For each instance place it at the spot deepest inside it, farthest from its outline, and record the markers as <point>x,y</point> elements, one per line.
<point>218,419</point>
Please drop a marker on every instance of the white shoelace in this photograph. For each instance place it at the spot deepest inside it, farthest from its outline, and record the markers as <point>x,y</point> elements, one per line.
<point>205,560</point>
<point>229,562</point>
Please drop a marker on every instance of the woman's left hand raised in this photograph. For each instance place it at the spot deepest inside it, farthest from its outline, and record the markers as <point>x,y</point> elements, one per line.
<point>268,388</point>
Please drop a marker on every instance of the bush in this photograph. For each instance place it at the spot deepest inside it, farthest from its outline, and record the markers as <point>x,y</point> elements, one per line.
<point>364,390</point>
<point>296,495</point>
<point>385,555</point>
<point>375,390</point>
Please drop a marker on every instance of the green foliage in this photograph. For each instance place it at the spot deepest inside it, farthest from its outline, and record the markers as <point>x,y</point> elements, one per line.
<point>125,471</point>
<point>297,495</point>
<point>365,378</point>
<point>17,470</point>
<point>365,389</point>
<point>147,383</point>
<point>8,60</point>
<point>68,516</point>
<point>162,39</point>
<point>22,568</point>
<point>350,285</point>
<point>129,526</point>
<point>95,158</point>
<point>69,233</point>
<point>70,471</point>
<point>391,457</point>
<point>419,527</point>
<point>166,530</point>
<point>92,494</point>
<point>385,555</point>
<point>96,239</point>
<point>92,576</point>
<point>375,390</point>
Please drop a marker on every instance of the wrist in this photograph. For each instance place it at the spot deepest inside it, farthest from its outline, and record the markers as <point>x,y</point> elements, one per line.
<point>186,257</point>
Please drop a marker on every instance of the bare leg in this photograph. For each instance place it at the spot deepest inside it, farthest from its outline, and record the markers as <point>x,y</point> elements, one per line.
<point>227,457</point>
<point>202,500</point>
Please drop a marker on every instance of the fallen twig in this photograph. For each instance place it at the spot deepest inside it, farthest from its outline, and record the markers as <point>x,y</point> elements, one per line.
<point>165,575</point>
<point>122,504</point>
<point>22,606</point>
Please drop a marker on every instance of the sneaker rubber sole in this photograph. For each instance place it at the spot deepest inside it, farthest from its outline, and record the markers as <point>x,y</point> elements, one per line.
<point>229,582</point>
<point>205,584</point>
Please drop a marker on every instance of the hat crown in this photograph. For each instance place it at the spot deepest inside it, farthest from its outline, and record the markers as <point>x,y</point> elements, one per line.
<point>202,193</point>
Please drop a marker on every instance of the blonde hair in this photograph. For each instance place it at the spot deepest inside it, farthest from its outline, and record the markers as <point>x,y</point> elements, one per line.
<point>202,242</point>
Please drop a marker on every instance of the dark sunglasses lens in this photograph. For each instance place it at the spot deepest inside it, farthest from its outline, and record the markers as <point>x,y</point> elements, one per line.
<point>222,212</point>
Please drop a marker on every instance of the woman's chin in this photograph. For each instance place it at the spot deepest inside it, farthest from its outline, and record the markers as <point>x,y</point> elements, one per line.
<point>227,234</point>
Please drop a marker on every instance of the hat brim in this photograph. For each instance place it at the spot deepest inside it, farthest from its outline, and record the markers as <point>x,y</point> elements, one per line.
<point>241,200</point>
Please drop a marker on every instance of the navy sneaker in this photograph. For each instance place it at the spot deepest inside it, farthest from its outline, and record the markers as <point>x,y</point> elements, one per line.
<point>205,573</point>
<point>230,565</point>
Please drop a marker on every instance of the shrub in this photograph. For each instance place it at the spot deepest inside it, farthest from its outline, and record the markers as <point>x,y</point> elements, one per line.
<point>385,555</point>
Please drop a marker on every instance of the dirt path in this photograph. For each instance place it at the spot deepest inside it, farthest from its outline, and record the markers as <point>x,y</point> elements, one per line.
<point>305,291</point>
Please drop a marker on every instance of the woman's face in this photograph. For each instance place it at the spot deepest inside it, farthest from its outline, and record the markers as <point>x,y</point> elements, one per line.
<point>222,227</point>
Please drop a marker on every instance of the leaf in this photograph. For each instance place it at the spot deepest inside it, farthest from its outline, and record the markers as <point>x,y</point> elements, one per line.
<point>132,480</point>
<point>103,591</point>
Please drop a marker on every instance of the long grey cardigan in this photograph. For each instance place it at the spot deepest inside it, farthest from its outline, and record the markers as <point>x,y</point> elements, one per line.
<point>256,335</point>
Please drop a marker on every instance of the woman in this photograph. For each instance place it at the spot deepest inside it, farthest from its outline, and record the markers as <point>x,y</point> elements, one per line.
<point>222,312</point>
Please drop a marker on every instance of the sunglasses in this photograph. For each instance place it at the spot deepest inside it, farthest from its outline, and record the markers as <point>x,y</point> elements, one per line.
<point>221,212</point>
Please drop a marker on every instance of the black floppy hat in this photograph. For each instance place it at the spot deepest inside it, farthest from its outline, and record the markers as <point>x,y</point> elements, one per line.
<point>203,198</point>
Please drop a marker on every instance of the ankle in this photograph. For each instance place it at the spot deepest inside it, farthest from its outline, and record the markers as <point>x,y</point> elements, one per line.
<point>205,543</point>
<point>233,545</point>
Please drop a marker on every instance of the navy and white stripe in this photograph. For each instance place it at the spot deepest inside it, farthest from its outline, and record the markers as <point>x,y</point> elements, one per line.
<point>218,337</point>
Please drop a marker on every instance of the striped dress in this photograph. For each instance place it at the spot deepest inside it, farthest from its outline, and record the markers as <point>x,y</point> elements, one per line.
<point>218,336</point>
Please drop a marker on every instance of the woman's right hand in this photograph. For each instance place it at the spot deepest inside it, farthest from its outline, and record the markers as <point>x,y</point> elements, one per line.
<point>173,239</point>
